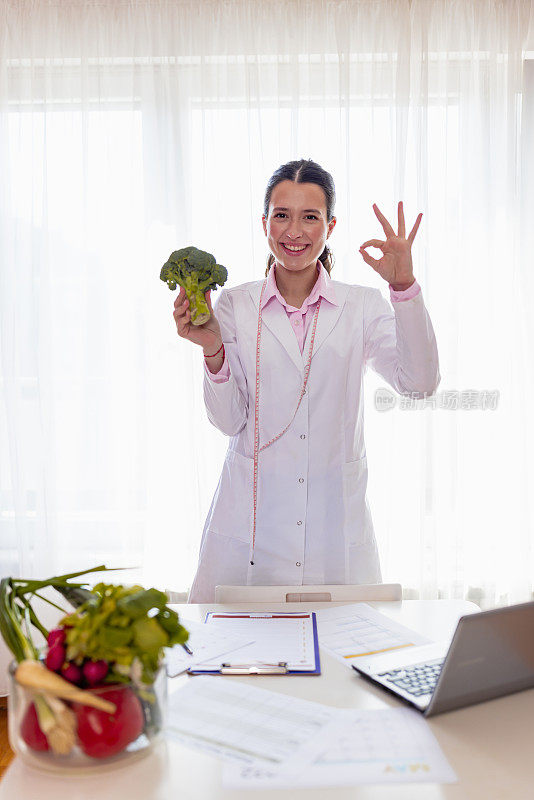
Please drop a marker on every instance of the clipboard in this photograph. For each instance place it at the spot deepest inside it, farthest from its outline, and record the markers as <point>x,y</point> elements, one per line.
<point>276,649</point>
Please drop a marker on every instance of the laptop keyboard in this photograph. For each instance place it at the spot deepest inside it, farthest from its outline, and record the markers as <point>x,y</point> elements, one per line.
<point>417,679</point>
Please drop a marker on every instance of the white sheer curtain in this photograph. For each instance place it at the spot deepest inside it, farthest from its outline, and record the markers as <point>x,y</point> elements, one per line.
<point>128,129</point>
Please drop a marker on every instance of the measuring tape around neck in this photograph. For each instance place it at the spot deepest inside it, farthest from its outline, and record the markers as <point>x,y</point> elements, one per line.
<point>257,448</point>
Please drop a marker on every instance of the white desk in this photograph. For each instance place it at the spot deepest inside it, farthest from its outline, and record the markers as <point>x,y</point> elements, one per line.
<point>490,746</point>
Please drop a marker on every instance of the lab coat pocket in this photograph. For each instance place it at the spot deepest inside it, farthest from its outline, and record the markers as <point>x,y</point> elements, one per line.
<point>231,512</point>
<point>354,489</point>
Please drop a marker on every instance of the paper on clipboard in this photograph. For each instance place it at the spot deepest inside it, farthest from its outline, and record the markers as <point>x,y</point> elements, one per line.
<point>277,637</point>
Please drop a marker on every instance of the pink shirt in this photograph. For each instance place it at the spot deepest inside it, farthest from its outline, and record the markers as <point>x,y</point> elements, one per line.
<point>299,318</point>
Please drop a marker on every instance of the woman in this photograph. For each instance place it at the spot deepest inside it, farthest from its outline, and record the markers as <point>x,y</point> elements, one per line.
<point>284,365</point>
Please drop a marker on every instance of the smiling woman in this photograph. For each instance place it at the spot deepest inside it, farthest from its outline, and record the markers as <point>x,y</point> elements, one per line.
<point>299,515</point>
<point>297,220</point>
<point>297,236</point>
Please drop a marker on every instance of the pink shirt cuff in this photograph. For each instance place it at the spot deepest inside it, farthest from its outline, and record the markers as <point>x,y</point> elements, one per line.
<point>407,294</point>
<point>224,373</point>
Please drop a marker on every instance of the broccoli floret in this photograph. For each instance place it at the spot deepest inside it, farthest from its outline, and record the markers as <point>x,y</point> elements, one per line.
<point>198,272</point>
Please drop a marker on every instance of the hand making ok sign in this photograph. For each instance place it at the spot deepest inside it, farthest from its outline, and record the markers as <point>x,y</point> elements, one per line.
<point>395,266</point>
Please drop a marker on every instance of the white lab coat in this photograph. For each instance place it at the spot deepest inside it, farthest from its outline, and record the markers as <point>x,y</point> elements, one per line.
<point>317,530</point>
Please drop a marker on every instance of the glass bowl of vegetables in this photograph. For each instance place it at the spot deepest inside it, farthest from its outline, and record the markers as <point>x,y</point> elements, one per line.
<point>95,693</point>
<point>122,722</point>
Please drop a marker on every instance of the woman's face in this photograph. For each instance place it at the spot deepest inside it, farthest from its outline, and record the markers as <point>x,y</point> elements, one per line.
<point>296,227</point>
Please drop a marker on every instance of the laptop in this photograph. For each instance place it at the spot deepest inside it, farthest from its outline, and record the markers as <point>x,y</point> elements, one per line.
<point>491,654</point>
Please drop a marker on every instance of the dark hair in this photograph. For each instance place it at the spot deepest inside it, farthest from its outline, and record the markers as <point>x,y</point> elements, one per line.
<point>304,171</point>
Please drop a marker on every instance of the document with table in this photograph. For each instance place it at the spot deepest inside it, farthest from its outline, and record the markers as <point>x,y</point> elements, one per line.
<point>269,739</point>
<point>242,723</point>
<point>357,747</point>
<point>354,630</point>
<point>279,643</point>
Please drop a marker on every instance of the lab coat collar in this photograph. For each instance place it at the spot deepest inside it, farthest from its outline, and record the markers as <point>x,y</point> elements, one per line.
<point>275,317</point>
<point>323,287</point>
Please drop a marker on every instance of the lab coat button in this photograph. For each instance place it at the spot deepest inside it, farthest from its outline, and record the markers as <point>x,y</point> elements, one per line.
<point>299,522</point>
<point>302,435</point>
<point>298,564</point>
<point>301,480</point>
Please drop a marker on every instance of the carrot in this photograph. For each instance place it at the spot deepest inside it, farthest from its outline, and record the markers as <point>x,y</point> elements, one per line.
<point>34,675</point>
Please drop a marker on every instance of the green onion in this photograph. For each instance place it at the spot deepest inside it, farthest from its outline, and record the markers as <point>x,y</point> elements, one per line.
<point>15,607</point>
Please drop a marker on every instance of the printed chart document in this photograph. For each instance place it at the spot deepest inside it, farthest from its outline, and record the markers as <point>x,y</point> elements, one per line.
<point>275,637</point>
<point>205,642</point>
<point>354,630</point>
<point>359,747</point>
<point>241,723</point>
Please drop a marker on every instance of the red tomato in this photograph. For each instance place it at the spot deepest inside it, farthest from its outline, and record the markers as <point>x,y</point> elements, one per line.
<point>100,734</point>
<point>31,731</point>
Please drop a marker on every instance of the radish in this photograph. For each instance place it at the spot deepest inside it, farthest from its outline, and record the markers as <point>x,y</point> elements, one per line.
<point>101,734</point>
<point>95,671</point>
<point>55,657</point>
<point>72,672</point>
<point>56,636</point>
<point>31,732</point>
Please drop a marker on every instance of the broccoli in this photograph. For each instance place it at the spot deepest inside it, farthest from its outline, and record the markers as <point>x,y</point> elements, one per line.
<point>197,272</point>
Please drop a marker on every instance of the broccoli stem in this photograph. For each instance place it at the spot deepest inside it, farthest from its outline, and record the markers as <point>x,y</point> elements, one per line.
<point>198,306</point>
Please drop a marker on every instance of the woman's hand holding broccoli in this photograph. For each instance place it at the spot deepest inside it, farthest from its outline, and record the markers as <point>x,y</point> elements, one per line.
<point>208,335</point>
<point>197,273</point>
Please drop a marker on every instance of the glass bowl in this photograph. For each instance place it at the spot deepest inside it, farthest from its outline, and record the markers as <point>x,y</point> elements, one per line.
<point>97,739</point>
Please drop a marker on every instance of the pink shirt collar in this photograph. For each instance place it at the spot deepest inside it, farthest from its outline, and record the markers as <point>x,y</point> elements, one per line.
<point>323,287</point>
